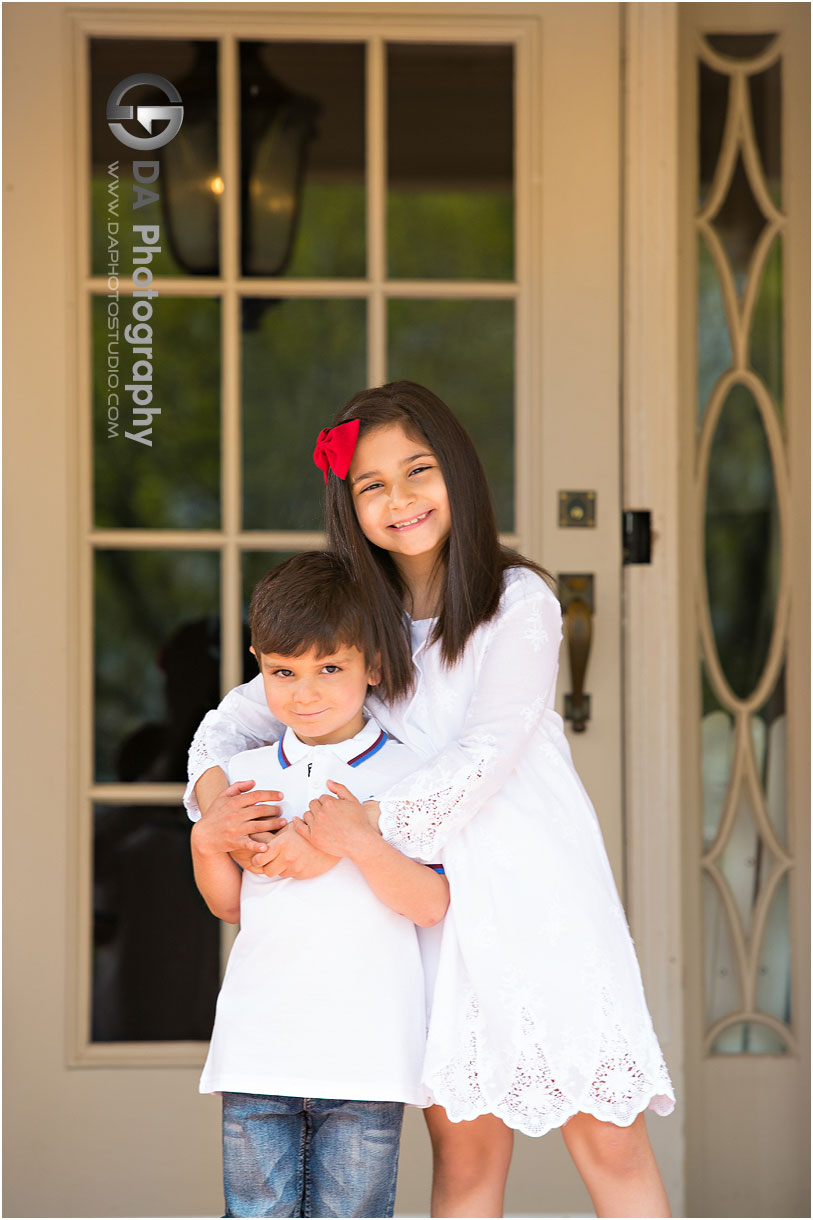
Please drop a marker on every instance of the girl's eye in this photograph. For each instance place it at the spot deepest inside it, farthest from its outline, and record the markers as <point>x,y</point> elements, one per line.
<point>370,487</point>
<point>419,469</point>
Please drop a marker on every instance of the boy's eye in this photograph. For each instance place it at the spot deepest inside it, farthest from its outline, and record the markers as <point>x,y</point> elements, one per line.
<point>281,673</point>
<point>331,669</point>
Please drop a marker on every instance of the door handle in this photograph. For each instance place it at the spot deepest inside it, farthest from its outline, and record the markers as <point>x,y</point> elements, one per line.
<point>577,602</point>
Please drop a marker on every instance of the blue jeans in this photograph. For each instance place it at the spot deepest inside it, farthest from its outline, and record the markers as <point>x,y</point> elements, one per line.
<point>308,1156</point>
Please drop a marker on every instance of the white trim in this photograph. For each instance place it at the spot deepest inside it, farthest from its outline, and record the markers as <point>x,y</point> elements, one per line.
<point>376,112</point>
<point>650,480</point>
<point>393,289</point>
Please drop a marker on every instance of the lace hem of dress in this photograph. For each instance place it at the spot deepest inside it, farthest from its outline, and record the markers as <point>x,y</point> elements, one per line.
<point>622,1084</point>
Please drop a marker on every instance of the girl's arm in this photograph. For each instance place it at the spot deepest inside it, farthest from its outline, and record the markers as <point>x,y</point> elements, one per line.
<point>515,685</point>
<point>234,815</point>
<point>240,722</point>
<point>406,886</point>
<point>234,823</point>
<point>217,876</point>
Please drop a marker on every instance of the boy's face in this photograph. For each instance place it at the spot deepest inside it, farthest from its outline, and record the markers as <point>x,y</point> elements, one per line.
<point>319,697</point>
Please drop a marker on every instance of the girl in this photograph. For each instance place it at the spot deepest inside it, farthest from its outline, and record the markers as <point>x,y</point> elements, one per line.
<point>538,1014</point>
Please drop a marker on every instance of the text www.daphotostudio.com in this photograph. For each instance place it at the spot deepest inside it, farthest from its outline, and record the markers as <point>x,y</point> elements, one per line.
<point>144,243</point>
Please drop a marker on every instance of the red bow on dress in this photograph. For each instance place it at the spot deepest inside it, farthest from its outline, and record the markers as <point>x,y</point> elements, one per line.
<point>335,448</point>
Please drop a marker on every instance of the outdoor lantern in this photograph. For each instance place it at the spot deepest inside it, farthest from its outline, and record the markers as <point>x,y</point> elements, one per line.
<point>190,183</point>
<point>276,128</point>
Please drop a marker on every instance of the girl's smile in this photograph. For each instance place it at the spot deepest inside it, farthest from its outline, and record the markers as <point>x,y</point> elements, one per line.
<point>400,497</point>
<point>405,525</point>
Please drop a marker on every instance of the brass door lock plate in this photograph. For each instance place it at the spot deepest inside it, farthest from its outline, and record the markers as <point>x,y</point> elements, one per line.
<point>577,509</point>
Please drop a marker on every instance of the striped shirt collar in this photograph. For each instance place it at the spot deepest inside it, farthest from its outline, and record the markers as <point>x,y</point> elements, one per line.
<point>354,751</point>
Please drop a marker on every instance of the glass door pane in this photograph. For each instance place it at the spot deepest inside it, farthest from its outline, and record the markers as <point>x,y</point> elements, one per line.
<point>450,132</point>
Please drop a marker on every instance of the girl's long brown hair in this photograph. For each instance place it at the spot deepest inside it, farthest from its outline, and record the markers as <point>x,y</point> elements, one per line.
<point>473,560</point>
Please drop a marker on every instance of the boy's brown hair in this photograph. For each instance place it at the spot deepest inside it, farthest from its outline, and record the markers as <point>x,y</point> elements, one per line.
<point>310,601</point>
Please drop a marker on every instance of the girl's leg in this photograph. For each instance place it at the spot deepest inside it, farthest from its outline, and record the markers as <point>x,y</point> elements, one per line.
<point>617,1165</point>
<point>471,1161</point>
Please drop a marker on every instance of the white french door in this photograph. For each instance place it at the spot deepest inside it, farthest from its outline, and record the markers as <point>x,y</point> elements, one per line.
<point>456,221</point>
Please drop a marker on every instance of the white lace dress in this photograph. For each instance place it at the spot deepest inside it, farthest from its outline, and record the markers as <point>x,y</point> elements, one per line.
<point>538,1010</point>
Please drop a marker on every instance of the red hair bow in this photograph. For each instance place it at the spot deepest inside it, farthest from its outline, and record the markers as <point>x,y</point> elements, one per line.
<point>335,448</point>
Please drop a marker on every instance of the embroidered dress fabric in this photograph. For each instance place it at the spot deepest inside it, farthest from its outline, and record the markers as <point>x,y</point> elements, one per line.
<point>538,1009</point>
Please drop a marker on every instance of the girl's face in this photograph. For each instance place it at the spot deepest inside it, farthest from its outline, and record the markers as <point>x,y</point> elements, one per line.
<point>400,495</point>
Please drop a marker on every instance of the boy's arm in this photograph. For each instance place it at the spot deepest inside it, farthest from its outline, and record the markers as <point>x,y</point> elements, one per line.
<point>343,828</point>
<point>412,889</point>
<point>217,876</point>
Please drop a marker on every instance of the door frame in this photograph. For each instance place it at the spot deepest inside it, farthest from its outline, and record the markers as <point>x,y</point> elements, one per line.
<point>722,1089</point>
<point>654,797</point>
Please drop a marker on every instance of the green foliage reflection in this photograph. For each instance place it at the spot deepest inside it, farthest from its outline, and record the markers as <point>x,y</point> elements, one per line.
<point>175,483</point>
<point>742,543</point>
<point>464,351</point>
<point>451,234</point>
<point>301,360</point>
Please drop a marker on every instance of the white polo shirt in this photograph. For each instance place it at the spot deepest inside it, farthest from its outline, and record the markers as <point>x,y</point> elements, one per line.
<point>324,990</point>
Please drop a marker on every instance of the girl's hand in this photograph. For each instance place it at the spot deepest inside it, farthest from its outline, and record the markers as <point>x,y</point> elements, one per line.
<point>289,855</point>
<point>236,814</point>
<point>340,824</point>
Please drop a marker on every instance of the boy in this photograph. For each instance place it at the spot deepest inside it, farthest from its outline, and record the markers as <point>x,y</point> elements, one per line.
<point>323,997</point>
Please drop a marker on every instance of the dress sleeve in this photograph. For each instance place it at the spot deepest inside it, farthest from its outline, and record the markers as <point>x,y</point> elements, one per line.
<point>241,721</point>
<point>514,687</point>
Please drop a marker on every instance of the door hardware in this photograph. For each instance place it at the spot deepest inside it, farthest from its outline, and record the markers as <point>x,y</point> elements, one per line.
<point>636,535</point>
<point>577,508</point>
<point>576,596</point>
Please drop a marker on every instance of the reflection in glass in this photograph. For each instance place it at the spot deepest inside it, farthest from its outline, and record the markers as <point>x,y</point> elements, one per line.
<point>740,46</point>
<point>748,1038</point>
<point>717,738</point>
<point>712,109</point>
<point>766,345</point>
<point>157,659</point>
<point>156,946</point>
<point>302,360</point>
<point>738,224</point>
<point>303,158</point>
<point>773,983</point>
<point>464,351</point>
<point>192,185</point>
<point>746,860</point>
<point>450,138</point>
<point>742,544</point>
<point>714,355</point>
<point>722,980</point>
<point>187,190</point>
<point>770,727</point>
<point>765,89</point>
<point>175,482</point>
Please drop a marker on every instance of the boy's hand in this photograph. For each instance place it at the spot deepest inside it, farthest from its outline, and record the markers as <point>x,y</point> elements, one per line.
<point>248,859</point>
<point>231,819</point>
<point>289,855</point>
<point>338,824</point>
